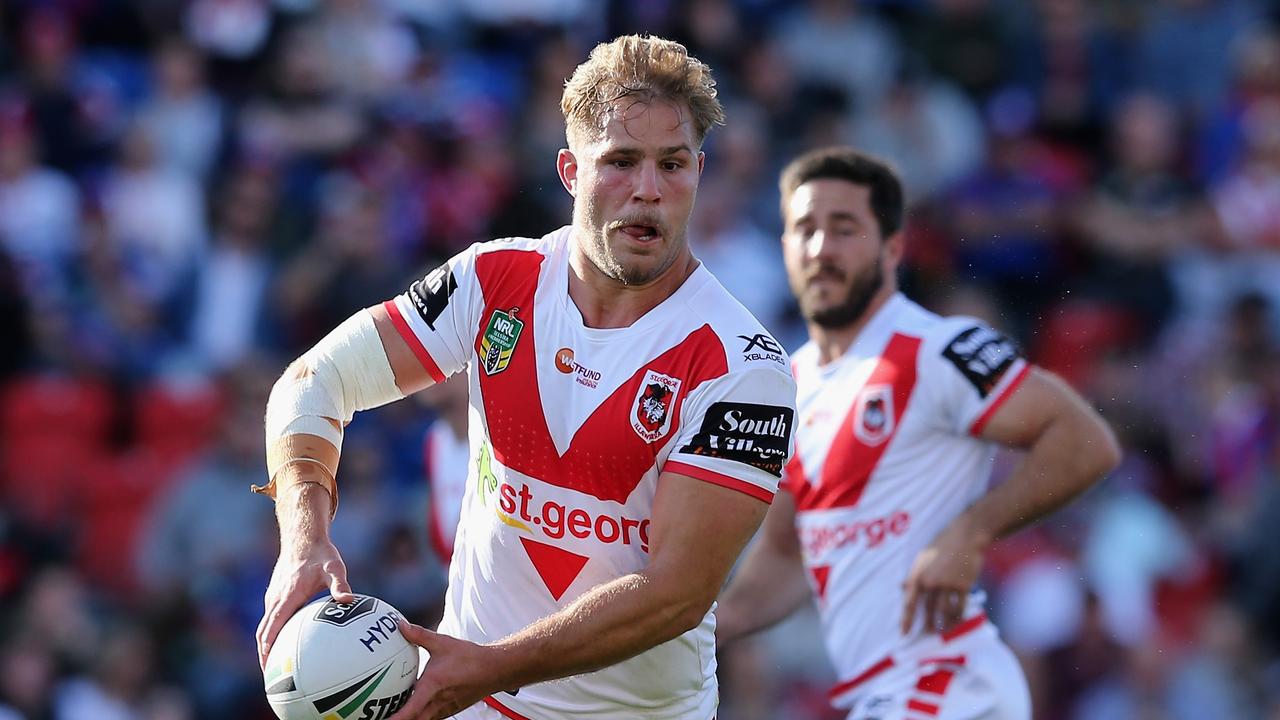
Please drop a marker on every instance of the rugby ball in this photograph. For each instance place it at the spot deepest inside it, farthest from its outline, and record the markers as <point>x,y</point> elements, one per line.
<point>335,661</point>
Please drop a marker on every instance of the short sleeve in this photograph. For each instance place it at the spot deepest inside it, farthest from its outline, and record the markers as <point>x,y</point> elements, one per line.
<point>978,369</point>
<point>437,315</point>
<point>737,432</point>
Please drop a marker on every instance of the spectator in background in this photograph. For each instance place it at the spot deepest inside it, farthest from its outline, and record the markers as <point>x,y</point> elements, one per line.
<point>1184,49</point>
<point>27,672</point>
<point>232,283</point>
<point>184,120</point>
<point>368,50</point>
<point>1248,205</point>
<point>1142,214</point>
<point>927,128</point>
<point>39,209</point>
<point>1003,217</point>
<point>154,217</point>
<point>304,116</point>
<point>841,45</point>
<point>965,42</point>
<point>207,526</point>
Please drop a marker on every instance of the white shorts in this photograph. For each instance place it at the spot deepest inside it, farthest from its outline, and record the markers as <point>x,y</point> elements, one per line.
<point>977,678</point>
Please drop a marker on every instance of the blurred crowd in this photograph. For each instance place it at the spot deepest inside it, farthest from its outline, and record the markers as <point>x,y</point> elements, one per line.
<point>193,192</point>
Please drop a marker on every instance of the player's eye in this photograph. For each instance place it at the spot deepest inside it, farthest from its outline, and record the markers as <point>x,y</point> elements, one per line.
<point>623,164</point>
<point>671,165</point>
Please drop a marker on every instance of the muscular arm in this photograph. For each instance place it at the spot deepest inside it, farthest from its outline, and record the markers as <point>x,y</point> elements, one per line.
<point>770,583</point>
<point>1069,448</point>
<point>698,531</point>
<point>308,560</point>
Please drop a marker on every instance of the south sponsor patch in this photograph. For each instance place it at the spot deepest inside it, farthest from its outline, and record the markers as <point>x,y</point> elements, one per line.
<point>755,435</point>
<point>982,355</point>
<point>430,295</point>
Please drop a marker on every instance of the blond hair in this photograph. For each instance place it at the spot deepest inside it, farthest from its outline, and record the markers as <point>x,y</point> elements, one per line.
<point>644,69</point>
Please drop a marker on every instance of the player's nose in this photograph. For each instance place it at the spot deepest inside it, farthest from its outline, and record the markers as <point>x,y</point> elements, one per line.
<point>646,187</point>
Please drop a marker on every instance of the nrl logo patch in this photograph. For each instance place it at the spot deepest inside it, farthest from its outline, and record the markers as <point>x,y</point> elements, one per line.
<point>654,405</point>
<point>873,419</point>
<point>499,340</point>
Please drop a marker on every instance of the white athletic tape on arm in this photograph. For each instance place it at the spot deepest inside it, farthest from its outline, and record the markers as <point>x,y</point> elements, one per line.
<point>348,372</point>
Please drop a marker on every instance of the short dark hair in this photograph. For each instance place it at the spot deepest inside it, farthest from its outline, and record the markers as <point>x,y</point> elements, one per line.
<point>845,163</point>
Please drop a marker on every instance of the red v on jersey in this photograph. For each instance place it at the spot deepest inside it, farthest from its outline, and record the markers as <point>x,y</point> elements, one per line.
<point>557,567</point>
<point>851,459</point>
<point>821,574</point>
<point>606,458</point>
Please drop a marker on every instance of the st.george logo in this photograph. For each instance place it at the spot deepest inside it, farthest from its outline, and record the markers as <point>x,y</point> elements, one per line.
<point>654,405</point>
<point>873,422</point>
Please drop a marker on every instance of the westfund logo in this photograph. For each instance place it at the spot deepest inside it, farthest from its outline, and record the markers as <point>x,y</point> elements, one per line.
<point>756,435</point>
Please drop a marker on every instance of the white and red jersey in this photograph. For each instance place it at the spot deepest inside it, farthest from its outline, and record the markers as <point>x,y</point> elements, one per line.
<point>887,454</point>
<point>446,458</point>
<point>570,427</point>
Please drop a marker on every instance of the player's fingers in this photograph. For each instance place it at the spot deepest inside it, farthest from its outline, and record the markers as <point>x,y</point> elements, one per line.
<point>952,610</point>
<point>339,588</point>
<point>912,596</point>
<point>418,701</point>
<point>417,634</point>
<point>932,606</point>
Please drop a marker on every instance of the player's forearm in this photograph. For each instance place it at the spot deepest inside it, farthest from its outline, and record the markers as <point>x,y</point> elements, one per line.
<point>302,509</point>
<point>769,586</point>
<point>1073,453</point>
<point>608,624</point>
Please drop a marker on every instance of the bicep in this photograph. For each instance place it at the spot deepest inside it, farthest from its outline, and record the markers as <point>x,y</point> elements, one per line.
<point>409,372</point>
<point>698,531</point>
<point>1030,409</point>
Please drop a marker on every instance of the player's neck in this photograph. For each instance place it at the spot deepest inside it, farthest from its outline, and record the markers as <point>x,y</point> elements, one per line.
<point>607,303</point>
<point>833,343</point>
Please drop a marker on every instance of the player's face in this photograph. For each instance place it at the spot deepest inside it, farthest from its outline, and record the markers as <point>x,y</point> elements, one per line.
<point>634,188</point>
<point>836,257</point>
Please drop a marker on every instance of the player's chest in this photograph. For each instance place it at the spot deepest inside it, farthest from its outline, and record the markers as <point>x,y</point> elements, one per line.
<point>855,406</point>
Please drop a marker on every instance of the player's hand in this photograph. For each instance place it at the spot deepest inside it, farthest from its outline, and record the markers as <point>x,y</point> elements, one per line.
<point>941,577</point>
<point>458,675</point>
<point>299,573</point>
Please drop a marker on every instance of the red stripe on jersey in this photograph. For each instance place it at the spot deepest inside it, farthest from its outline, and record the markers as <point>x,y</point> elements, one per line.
<point>606,458</point>
<point>965,627</point>
<point>950,660</point>
<point>503,710</point>
<point>922,707</point>
<point>865,675</point>
<point>936,682</point>
<point>981,422</point>
<point>420,352</point>
<point>851,461</point>
<point>720,479</point>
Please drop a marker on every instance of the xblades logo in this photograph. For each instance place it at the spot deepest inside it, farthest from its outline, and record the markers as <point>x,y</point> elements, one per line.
<point>768,349</point>
<point>762,341</point>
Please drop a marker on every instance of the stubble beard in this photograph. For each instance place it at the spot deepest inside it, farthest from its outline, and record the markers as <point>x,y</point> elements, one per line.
<point>596,249</point>
<point>862,290</point>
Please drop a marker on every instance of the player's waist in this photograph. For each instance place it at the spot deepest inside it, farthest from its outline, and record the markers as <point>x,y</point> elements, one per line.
<point>928,650</point>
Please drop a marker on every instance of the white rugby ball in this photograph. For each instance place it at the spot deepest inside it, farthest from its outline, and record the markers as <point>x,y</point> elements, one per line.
<point>341,662</point>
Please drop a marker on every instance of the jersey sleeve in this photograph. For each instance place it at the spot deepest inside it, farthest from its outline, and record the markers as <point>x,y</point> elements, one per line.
<point>437,315</point>
<point>978,368</point>
<point>737,432</point>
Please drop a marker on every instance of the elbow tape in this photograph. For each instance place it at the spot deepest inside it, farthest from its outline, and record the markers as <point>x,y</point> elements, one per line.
<point>344,373</point>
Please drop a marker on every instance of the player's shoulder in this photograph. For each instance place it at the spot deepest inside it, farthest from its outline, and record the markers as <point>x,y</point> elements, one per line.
<point>544,245</point>
<point>971,347</point>
<point>748,345</point>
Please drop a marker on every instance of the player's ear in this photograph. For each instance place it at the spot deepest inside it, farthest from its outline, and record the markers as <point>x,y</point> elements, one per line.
<point>894,247</point>
<point>702,161</point>
<point>567,169</point>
